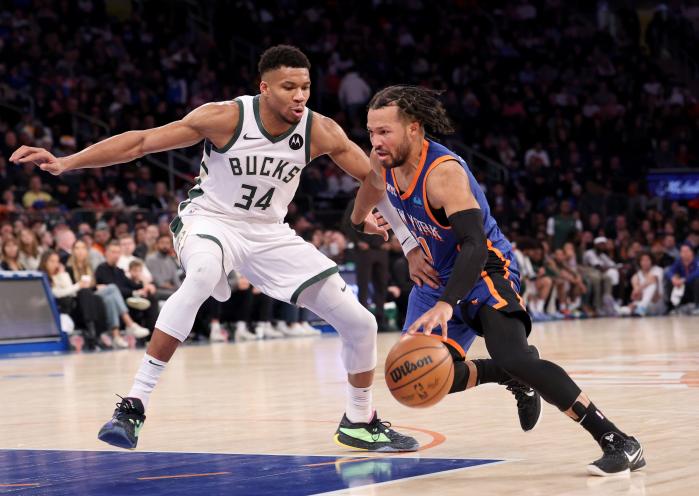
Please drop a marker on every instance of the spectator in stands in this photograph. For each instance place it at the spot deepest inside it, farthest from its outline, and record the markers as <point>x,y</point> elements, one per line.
<point>10,256</point>
<point>569,283</point>
<point>659,256</point>
<point>95,256</point>
<point>670,246</point>
<point>114,287</point>
<point>598,258</point>
<point>164,268</point>
<point>90,311</point>
<point>537,157</point>
<point>102,237</point>
<point>162,199</point>
<point>143,295</point>
<point>647,289</point>
<point>65,239</point>
<point>354,94</point>
<point>29,250</point>
<point>399,282</point>
<point>539,282</point>
<point>563,227</point>
<point>8,204</point>
<point>36,197</point>
<point>683,277</point>
<point>371,255</point>
<point>128,246</point>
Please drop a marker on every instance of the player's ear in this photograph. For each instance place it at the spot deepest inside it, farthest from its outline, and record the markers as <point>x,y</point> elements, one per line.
<point>264,86</point>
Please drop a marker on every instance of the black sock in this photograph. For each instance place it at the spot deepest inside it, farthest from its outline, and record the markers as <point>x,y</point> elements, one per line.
<point>594,422</point>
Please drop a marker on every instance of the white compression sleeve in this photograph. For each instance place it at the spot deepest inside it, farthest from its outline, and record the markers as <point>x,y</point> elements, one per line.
<point>406,238</point>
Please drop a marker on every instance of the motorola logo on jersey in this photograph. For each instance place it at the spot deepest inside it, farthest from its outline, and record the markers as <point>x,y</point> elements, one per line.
<point>295,142</point>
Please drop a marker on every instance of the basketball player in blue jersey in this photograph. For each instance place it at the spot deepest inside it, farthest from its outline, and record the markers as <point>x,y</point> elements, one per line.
<point>255,148</point>
<point>477,290</point>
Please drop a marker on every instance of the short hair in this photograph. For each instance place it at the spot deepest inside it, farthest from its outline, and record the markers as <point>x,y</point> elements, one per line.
<point>135,263</point>
<point>282,56</point>
<point>113,242</point>
<point>415,103</point>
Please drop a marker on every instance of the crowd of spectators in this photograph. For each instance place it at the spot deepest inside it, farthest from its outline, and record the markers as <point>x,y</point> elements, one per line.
<point>575,105</point>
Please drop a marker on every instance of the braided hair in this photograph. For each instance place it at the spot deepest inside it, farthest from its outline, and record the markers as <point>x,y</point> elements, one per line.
<point>415,103</point>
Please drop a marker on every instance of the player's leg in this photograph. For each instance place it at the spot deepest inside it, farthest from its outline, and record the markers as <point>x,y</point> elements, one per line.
<point>360,427</point>
<point>203,262</point>
<point>506,339</point>
<point>469,373</point>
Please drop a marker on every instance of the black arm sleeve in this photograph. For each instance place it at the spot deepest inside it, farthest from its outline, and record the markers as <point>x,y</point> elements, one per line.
<point>468,228</point>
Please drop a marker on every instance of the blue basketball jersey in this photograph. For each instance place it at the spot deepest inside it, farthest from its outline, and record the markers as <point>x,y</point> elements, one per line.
<point>437,239</point>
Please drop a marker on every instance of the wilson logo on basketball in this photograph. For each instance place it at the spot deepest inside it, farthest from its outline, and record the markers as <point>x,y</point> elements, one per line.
<point>409,367</point>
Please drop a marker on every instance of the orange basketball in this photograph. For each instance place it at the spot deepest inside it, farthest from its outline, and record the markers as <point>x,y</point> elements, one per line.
<point>419,371</point>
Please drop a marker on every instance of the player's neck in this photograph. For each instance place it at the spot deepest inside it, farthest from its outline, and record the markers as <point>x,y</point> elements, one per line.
<point>271,122</point>
<point>412,163</point>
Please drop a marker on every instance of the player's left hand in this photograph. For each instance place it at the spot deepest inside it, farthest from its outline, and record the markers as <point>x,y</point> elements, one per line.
<point>380,221</point>
<point>438,315</point>
<point>371,226</point>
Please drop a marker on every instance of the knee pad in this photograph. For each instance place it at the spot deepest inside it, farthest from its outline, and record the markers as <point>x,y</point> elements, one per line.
<point>178,314</point>
<point>198,251</point>
<point>332,301</point>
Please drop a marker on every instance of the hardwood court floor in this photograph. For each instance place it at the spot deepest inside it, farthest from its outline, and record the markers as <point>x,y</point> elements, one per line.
<point>286,397</point>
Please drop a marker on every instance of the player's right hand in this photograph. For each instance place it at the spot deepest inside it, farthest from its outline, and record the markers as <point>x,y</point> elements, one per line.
<point>42,158</point>
<point>421,270</point>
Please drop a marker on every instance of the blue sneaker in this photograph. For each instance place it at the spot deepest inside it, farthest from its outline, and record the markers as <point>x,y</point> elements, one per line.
<point>123,429</point>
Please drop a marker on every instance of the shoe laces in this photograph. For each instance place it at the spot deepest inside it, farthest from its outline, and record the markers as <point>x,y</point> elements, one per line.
<point>377,427</point>
<point>520,391</point>
<point>126,407</point>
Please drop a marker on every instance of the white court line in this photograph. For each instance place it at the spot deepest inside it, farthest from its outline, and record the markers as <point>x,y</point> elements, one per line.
<point>377,455</point>
<point>405,479</point>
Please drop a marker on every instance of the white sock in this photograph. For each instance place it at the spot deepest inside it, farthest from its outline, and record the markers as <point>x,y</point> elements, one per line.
<point>359,404</point>
<point>146,378</point>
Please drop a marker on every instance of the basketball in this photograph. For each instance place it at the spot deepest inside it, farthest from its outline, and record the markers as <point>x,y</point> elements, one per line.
<point>419,371</point>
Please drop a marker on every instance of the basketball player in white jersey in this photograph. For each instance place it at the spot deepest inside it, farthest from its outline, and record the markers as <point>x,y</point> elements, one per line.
<point>254,151</point>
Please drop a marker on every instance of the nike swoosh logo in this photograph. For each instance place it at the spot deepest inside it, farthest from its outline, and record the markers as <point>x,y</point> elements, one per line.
<point>403,242</point>
<point>246,137</point>
<point>632,457</point>
<point>344,287</point>
<point>153,363</point>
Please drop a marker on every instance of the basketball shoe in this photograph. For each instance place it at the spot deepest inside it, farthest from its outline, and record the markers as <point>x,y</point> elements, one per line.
<point>621,455</point>
<point>125,425</point>
<point>528,400</point>
<point>375,435</point>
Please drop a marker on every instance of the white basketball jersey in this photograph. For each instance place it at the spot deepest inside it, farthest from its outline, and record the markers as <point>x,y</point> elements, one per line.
<point>255,175</point>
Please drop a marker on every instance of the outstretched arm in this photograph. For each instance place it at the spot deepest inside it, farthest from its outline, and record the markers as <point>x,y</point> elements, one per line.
<point>212,120</point>
<point>329,138</point>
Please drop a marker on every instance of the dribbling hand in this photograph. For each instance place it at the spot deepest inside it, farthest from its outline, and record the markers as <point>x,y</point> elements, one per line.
<point>438,315</point>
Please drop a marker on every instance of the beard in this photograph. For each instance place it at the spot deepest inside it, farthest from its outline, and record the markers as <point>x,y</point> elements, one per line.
<point>399,157</point>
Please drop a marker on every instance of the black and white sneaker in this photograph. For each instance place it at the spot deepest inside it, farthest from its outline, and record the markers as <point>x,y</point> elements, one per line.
<point>528,401</point>
<point>123,428</point>
<point>622,455</point>
<point>375,435</point>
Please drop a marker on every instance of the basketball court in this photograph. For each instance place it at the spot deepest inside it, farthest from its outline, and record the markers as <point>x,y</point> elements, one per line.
<point>258,418</point>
